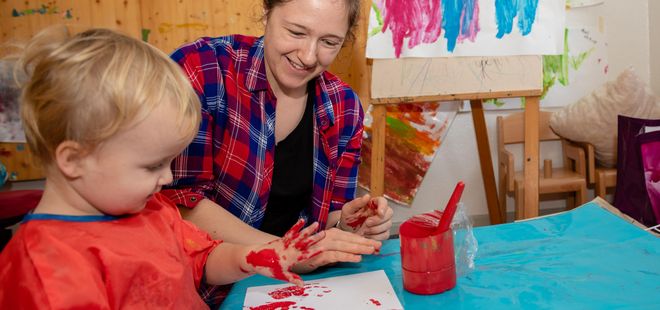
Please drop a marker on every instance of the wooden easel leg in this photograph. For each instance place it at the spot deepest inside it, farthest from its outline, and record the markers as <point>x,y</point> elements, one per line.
<point>531,165</point>
<point>495,213</point>
<point>379,114</point>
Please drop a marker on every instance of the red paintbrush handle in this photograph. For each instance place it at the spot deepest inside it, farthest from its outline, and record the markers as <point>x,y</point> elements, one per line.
<point>450,209</point>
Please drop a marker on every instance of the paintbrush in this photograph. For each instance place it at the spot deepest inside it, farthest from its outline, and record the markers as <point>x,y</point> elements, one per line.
<point>450,209</point>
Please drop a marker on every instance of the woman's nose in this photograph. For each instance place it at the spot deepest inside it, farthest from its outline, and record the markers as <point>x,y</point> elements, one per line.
<point>307,53</point>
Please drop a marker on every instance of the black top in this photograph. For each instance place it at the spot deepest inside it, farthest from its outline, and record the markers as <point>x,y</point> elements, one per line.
<point>291,190</point>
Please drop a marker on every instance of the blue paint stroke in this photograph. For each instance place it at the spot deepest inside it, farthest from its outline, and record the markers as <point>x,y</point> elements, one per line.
<point>507,10</point>
<point>527,16</point>
<point>468,17</point>
<point>451,21</point>
<point>458,18</point>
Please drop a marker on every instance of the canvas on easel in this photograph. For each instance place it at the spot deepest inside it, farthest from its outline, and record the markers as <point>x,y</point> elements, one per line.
<point>397,29</point>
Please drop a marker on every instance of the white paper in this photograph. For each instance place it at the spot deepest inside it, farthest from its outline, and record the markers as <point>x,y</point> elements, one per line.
<point>368,290</point>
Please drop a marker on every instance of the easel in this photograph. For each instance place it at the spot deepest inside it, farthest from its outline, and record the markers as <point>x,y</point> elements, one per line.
<point>397,81</point>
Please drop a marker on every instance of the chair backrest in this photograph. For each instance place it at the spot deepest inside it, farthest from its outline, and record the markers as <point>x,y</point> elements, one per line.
<point>510,129</point>
<point>13,206</point>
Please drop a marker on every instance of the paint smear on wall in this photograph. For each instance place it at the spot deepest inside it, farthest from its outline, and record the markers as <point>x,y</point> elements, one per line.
<point>582,3</point>
<point>414,132</point>
<point>45,9</point>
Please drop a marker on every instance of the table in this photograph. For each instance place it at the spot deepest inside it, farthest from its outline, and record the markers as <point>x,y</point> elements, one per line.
<point>585,258</point>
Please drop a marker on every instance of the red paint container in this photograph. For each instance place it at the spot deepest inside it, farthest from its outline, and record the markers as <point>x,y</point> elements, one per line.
<point>427,256</point>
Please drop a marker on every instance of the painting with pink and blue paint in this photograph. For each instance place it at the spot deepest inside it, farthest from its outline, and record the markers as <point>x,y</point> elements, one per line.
<point>442,28</point>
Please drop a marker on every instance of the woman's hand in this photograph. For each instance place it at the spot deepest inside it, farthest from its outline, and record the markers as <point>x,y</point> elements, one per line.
<point>368,217</point>
<point>338,246</point>
<point>276,258</point>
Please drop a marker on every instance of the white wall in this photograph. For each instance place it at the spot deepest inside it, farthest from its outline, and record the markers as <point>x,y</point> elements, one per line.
<point>654,35</point>
<point>627,31</point>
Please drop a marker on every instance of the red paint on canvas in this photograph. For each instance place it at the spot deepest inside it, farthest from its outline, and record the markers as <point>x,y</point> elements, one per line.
<point>374,301</point>
<point>411,141</point>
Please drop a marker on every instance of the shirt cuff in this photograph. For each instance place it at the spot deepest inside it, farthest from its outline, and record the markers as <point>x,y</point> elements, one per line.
<point>183,197</point>
<point>336,205</point>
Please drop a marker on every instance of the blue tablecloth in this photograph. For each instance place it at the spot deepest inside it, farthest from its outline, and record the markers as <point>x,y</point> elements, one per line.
<point>587,258</point>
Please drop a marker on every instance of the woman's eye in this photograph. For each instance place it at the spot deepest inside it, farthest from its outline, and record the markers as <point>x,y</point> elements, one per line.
<point>296,33</point>
<point>330,43</point>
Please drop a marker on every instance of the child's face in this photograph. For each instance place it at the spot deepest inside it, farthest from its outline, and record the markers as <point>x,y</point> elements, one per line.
<point>122,173</point>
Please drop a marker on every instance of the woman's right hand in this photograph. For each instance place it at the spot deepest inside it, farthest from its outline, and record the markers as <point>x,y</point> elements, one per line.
<point>338,246</point>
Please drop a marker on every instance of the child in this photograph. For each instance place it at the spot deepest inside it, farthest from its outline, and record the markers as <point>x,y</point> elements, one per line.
<point>106,114</point>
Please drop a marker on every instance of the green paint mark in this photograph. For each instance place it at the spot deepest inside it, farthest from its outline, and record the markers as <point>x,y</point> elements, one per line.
<point>399,128</point>
<point>577,61</point>
<point>496,102</point>
<point>145,34</point>
<point>379,16</point>
<point>555,68</point>
<point>375,31</point>
<point>42,10</point>
<point>379,19</point>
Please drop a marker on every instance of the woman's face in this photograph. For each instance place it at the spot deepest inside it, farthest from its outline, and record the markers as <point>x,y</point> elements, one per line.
<point>302,39</point>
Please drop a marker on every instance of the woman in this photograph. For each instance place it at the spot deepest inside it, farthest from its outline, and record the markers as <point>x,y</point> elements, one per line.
<point>280,137</point>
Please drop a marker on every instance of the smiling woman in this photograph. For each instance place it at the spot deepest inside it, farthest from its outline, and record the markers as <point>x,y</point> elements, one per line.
<point>280,138</point>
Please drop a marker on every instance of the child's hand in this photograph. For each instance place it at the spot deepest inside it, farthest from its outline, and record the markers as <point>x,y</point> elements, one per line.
<point>276,258</point>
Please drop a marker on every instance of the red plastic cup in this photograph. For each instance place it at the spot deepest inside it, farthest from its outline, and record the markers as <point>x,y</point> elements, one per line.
<point>427,256</point>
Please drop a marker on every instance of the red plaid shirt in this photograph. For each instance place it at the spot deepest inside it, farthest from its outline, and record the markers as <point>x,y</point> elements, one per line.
<point>230,161</point>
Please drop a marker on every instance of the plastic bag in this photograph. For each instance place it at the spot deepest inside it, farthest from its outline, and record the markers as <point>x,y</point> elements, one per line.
<point>465,244</point>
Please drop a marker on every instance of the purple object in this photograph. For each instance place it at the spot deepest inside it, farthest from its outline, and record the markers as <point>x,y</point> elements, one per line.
<point>632,196</point>
<point>649,144</point>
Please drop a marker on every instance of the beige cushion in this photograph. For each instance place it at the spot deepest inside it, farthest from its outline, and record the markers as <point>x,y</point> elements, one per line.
<point>593,118</point>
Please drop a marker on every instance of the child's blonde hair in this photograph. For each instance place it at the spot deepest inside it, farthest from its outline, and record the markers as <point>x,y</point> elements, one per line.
<point>86,87</point>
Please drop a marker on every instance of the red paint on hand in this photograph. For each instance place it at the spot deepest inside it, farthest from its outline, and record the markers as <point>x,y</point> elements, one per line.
<point>369,210</point>
<point>293,233</point>
<point>372,205</point>
<point>267,258</point>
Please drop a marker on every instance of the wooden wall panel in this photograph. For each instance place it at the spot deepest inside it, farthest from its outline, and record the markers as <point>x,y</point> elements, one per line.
<point>172,23</point>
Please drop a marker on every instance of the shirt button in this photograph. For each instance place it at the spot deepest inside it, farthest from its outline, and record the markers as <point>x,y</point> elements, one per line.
<point>193,199</point>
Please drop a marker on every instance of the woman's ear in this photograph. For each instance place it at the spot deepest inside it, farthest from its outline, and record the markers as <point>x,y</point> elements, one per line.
<point>69,157</point>
<point>264,18</point>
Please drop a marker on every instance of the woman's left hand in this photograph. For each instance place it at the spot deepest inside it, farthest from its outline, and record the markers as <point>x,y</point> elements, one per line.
<point>366,216</point>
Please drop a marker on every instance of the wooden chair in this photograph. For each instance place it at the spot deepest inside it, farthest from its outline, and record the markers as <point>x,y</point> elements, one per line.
<point>571,178</point>
<point>601,177</point>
